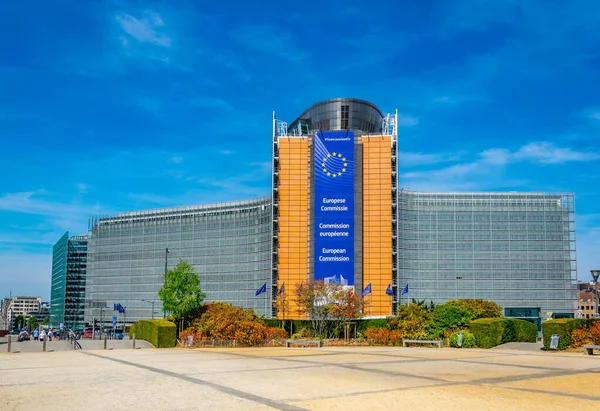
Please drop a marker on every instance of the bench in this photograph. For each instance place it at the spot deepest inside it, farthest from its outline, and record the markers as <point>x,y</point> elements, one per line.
<point>438,342</point>
<point>319,343</point>
<point>589,349</point>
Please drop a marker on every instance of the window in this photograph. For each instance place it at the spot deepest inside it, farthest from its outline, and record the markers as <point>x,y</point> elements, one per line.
<point>345,116</point>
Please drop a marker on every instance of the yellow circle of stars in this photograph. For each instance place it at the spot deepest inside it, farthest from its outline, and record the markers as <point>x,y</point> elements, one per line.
<point>330,173</point>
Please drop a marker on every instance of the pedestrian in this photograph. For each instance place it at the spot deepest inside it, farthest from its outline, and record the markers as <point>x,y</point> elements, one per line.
<point>36,334</point>
<point>42,335</point>
<point>50,335</point>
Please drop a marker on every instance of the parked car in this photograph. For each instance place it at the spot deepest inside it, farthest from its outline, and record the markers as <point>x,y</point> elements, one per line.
<point>87,333</point>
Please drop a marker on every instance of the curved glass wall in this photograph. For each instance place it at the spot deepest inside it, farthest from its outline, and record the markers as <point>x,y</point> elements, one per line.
<point>357,115</point>
<point>229,245</point>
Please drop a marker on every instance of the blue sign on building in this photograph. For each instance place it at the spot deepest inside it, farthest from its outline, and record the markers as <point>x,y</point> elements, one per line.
<point>334,206</point>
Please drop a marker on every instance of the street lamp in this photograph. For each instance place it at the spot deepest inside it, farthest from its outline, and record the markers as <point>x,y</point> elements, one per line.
<point>151,302</point>
<point>166,259</point>
<point>595,275</point>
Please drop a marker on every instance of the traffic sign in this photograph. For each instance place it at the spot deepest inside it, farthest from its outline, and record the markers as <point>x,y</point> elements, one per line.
<point>114,320</point>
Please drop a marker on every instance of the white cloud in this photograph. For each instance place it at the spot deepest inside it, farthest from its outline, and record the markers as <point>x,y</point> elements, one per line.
<point>547,153</point>
<point>176,159</point>
<point>211,102</point>
<point>227,152</point>
<point>407,159</point>
<point>144,30</point>
<point>407,121</point>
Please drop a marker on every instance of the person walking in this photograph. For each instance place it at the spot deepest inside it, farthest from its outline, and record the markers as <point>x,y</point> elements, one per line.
<point>50,335</point>
<point>42,335</point>
<point>36,334</point>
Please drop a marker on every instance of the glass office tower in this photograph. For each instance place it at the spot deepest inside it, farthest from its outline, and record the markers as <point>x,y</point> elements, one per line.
<point>229,245</point>
<point>517,249</point>
<point>69,262</point>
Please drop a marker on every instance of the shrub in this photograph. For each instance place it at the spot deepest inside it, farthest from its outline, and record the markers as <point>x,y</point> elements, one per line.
<point>468,339</point>
<point>448,317</point>
<point>580,337</point>
<point>159,333</point>
<point>525,331</point>
<point>595,332</point>
<point>564,327</point>
<point>478,307</point>
<point>249,333</point>
<point>487,331</point>
<point>276,333</point>
<point>377,335</point>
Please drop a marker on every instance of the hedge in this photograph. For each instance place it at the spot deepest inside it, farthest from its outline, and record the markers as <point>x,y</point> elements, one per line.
<point>525,331</point>
<point>563,327</point>
<point>490,332</point>
<point>159,333</point>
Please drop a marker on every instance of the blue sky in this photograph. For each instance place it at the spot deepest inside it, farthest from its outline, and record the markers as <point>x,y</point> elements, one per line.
<point>110,106</point>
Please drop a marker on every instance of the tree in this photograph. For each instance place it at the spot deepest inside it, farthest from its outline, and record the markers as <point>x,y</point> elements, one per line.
<point>20,321</point>
<point>326,304</point>
<point>32,323</point>
<point>181,293</point>
<point>281,303</point>
<point>479,307</point>
<point>46,321</point>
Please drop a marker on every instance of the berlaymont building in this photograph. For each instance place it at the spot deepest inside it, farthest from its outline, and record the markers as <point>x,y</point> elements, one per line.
<point>338,212</point>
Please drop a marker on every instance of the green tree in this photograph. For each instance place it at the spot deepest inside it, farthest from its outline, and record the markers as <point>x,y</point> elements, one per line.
<point>46,321</point>
<point>32,323</point>
<point>479,307</point>
<point>448,317</point>
<point>20,321</point>
<point>181,293</point>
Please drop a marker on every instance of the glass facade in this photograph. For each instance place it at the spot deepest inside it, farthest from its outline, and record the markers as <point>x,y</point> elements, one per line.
<point>69,260</point>
<point>75,284</point>
<point>229,245</point>
<point>357,115</point>
<point>59,280</point>
<point>517,249</point>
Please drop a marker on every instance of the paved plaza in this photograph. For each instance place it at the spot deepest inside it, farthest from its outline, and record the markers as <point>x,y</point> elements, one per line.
<point>366,378</point>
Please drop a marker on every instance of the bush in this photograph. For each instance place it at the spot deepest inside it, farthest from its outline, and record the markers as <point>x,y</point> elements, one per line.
<point>581,337</point>
<point>564,327</point>
<point>159,333</point>
<point>488,331</point>
<point>478,307</point>
<point>376,335</point>
<point>276,333</point>
<point>448,317</point>
<point>468,340</point>
<point>595,332</point>
<point>525,331</point>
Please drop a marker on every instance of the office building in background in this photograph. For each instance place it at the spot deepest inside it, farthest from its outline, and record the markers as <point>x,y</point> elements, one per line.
<point>336,212</point>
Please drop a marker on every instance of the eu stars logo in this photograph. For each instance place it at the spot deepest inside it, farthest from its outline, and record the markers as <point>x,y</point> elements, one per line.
<point>334,165</point>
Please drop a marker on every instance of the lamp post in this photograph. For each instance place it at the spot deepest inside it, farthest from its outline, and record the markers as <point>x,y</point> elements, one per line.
<point>595,275</point>
<point>166,260</point>
<point>151,302</point>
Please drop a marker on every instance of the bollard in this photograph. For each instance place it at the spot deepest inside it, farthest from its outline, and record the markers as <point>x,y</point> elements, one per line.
<point>105,341</point>
<point>44,345</point>
<point>134,341</point>
<point>74,343</point>
<point>9,343</point>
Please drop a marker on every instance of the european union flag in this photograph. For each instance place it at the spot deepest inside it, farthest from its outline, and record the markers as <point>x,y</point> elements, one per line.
<point>405,291</point>
<point>120,308</point>
<point>115,307</point>
<point>281,289</point>
<point>261,290</point>
<point>389,291</point>
<point>367,290</point>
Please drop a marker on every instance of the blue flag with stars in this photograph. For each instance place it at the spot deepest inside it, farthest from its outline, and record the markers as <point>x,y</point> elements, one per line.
<point>261,290</point>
